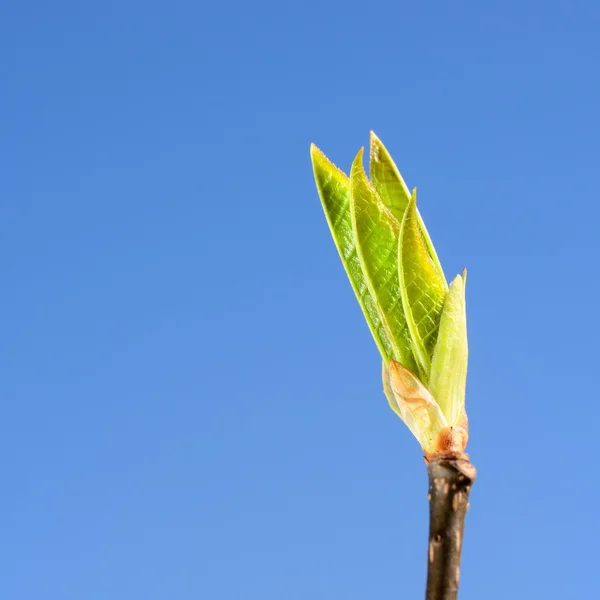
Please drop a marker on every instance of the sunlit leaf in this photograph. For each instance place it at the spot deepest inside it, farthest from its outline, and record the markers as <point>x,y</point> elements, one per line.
<point>411,401</point>
<point>422,287</point>
<point>418,323</point>
<point>393,191</point>
<point>387,179</point>
<point>334,190</point>
<point>376,232</point>
<point>449,364</point>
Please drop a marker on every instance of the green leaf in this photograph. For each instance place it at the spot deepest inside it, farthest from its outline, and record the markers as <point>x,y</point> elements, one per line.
<point>387,179</point>
<point>393,191</point>
<point>334,191</point>
<point>376,232</point>
<point>422,287</point>
<point>449,364</point>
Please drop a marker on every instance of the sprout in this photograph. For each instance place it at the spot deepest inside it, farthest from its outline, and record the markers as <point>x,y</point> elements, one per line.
<point>418,322</point>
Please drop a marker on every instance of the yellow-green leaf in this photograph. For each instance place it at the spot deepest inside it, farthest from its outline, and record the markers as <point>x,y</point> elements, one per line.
<point>393,191</point>
<point>334,191</point>
<point>387,179</point>
<point>376,232</point>
<point>422,287</point>
<point>449,364</point>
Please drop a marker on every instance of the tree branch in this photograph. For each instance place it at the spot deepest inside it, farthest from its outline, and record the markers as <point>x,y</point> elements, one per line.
<point>450,480</point>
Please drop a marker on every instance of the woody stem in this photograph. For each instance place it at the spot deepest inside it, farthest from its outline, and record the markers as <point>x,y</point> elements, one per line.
<point>450,480</point>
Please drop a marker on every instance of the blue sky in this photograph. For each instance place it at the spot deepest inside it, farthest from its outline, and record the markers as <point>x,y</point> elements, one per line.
<point>191,400</point>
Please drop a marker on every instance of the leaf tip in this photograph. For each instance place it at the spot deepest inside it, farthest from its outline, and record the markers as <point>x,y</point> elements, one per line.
<point>411,207</point>
<point>458,283</point>
<point>375,146</point>
<point>315,152</point>
<point>357,163</point>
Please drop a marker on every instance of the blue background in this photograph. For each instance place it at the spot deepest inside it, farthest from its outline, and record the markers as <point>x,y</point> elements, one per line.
<point>191,402</point>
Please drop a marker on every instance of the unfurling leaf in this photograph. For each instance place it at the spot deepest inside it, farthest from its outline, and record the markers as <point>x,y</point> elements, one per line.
<point>422,288</point>
<point>418,323</point>
<point>376,232</point>
<point>334,191</point>
<point>448,377</point>
<point>393,191</point>
<point>387,179</point>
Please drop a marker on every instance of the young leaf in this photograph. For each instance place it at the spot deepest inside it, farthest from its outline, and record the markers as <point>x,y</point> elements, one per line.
<point>411,401</point>
<point>334,191</point>
<point>376,232</point>
<point>422,288</point>
<point>449,364</point>
<point>387,179</point>
<point>393,191</point>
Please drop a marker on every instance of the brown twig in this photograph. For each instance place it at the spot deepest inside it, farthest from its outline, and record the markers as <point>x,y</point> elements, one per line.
<point>450,480</point>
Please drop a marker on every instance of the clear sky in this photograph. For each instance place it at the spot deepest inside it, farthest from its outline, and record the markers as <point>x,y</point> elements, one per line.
<point>191,403</point>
